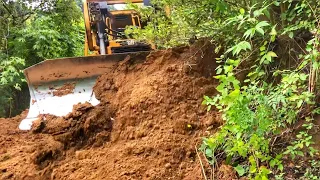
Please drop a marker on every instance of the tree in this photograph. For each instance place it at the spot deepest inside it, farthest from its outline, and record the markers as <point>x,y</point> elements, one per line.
<point>32,31</point>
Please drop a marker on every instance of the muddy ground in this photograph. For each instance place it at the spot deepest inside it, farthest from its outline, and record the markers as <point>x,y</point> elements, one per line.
<point>148,125</point>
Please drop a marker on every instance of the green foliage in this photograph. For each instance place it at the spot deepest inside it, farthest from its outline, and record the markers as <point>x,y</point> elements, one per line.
<point>54,33</point>
<point>280,82</point>
<point>31,34</point>
<point>313,172</point>
<point>254,113</point>
<point>173,23</point>
<point>42,39</point>
<point>11,72</point>
<point>10,78</point>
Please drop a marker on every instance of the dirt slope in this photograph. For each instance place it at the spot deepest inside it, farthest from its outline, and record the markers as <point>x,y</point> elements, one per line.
<point>147,126</point>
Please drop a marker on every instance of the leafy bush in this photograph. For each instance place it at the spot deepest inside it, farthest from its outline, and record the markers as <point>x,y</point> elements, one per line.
<point>10,78</point>
<point>256,112</point>
<point>274,44</point>
<point>42,39</point>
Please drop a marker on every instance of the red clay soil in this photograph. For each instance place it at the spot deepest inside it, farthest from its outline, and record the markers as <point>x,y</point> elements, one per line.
<point>148,125</point>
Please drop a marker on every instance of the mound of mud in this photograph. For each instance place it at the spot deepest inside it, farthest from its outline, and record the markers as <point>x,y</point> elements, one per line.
<point>148,125</point>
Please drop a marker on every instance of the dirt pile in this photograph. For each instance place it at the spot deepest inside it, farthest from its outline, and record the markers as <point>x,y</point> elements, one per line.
<point>147,125</point>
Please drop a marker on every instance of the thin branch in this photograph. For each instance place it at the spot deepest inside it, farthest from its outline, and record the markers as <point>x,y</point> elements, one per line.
<point>202,167</point>
<point>28,16</point>
<point>6,7</point>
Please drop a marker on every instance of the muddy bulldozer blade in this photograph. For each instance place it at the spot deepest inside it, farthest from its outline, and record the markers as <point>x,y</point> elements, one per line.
<point>56,85</point>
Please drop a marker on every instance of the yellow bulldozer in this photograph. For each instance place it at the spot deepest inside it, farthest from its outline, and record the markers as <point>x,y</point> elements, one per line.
<point>58,84</point>
<point>105,23</point>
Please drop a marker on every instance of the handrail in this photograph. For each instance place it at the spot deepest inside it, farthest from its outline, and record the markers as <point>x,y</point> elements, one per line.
<point>136,16</point>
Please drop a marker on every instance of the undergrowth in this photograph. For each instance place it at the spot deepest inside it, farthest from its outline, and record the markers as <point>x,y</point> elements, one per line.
<point>268,114</point>
<point>260,111</point>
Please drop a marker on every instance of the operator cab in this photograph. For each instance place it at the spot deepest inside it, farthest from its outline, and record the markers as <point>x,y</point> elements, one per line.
<point>108,25</point>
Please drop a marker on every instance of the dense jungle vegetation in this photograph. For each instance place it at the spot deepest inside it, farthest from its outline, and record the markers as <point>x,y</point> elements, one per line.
<point>30,32</point>
<point>268,74</point>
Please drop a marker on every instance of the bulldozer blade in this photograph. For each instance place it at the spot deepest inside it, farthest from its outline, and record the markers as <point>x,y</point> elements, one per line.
<point>56,85</point>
